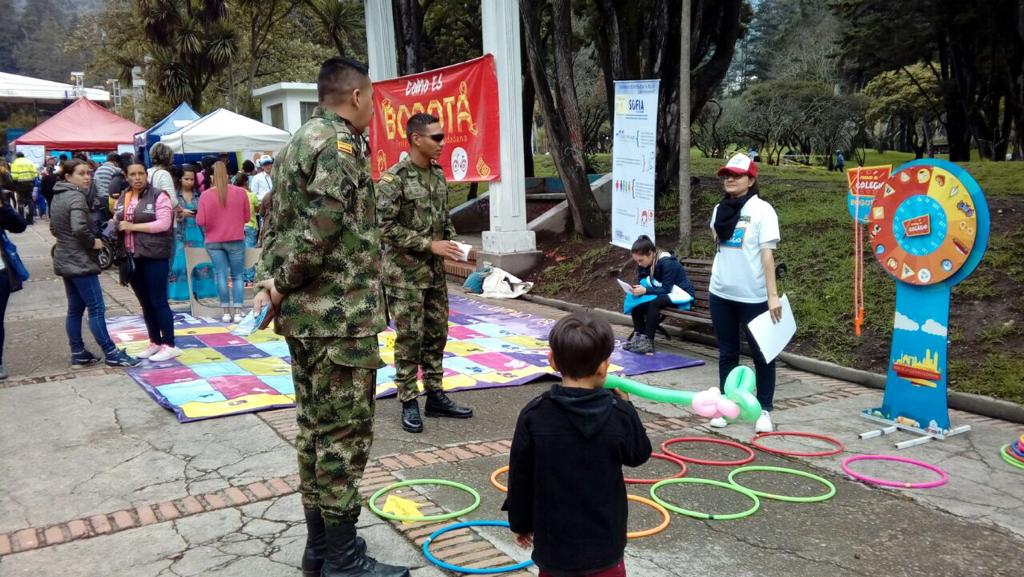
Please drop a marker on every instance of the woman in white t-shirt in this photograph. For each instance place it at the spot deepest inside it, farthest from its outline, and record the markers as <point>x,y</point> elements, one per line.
<point>742,286</point>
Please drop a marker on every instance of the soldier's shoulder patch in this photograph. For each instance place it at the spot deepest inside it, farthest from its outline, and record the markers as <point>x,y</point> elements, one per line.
<point>345,147</point>
<point>387,177</point>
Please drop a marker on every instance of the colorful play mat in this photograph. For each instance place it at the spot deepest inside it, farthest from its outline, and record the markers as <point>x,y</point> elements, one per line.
<point>223,374</point>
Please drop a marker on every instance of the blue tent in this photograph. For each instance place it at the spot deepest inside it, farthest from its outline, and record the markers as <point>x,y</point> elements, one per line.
<point>176,120</point>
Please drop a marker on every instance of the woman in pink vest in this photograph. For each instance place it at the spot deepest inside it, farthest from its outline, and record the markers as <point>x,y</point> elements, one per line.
<point>223,212</point>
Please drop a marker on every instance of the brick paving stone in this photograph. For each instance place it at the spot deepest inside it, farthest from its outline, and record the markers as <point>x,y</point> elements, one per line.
<point>146,515</point>
<point>487,553</point>
<point>409,460</point>
<point>168,511</point>
<point>461,453</point>
<point>100,524</point>
<point>236,496</point>
<point>259,490</point>
<point>426,457</point>
<point>279,486</point>
<point>497,447</point>
<point>215,501</point>
<point>123,519</point>
<point>479,449</point>
<point>192,505</point>
<point>446,455</point>
<point>78,529</point>
<point>457,551</point>
<point>54,535</point>
<point>26,539</point>
<point>293,481</point>
<point>444,540</point>
<point>500,560</point>
<point>5,545</point>
<point>391,463</point>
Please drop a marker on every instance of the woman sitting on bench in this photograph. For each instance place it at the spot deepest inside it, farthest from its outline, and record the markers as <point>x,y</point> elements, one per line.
<point>661,282</point>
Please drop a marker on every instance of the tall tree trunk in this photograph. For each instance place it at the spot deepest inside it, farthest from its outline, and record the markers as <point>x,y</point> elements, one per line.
<point>529,96</point>
<point>562,121</point>
<point>409,23</point>
<point>685,220</point>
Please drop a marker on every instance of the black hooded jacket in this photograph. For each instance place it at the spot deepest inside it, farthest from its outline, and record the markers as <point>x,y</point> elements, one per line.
<point>565,477</point>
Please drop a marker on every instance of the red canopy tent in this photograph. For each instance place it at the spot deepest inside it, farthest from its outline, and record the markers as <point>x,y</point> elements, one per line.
<point>84,125</point>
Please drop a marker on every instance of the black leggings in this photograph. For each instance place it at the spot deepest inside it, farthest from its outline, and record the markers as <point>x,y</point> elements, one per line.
<point>646,315</point>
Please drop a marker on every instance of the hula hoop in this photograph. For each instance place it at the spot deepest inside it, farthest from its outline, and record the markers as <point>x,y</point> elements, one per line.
<point>944,478</point>
<point>439,517</point>
<point>665,518</point>
<point>839,448</point>
<point>697,514</point>
<point>459,569</point>
<point>816,499</point>
<point>666,444</point>
<point>1010,460</point>
<point>1015,453</point>
<point>681,473</point>
<point>494,478</point>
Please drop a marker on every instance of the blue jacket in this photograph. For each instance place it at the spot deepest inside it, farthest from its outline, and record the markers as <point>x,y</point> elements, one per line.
<point>667,272</point>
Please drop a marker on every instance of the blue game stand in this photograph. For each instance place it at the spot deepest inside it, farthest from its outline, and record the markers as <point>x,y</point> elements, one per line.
<point>928,227</point>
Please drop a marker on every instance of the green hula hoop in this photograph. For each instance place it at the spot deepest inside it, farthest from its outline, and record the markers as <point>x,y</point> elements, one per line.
<point>1009,460</point>
<point>698,514</point>
<point>787,498</point>
<point>439,517</point>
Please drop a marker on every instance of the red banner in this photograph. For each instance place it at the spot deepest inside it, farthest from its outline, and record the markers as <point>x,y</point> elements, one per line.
<point>464,97</point>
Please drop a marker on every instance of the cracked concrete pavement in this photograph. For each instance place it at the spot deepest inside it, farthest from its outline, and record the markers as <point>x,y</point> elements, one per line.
<point>94,443</point>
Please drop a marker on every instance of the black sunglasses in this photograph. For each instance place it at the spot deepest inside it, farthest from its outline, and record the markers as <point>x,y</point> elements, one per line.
<point>439,137</point>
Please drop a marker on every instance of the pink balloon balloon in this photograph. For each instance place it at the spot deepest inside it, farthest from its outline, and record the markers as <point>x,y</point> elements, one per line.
<point>705,403</point>
<point>728,409</point>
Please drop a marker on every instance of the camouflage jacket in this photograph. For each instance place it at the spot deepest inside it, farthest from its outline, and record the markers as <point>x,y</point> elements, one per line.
<point>411,216</point>
<point>322,244</point>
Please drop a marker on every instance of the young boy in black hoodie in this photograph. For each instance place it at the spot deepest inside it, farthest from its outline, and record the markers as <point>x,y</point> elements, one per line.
<point>566,495</point>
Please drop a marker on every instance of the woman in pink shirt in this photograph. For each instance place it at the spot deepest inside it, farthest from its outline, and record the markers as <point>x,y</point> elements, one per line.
<point>144,215</point>
<point>223,212</point>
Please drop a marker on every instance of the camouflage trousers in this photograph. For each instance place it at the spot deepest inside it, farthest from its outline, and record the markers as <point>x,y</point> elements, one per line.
<point>334,409</point>
<point>421,332</point>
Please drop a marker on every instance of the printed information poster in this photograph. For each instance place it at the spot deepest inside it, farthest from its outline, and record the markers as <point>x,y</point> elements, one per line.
<point>633,156</point>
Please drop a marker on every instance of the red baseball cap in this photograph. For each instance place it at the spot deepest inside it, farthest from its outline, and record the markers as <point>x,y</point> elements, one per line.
<point>740,164</point>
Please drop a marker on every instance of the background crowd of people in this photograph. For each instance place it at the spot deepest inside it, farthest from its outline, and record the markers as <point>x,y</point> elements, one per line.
<point>144,218</point>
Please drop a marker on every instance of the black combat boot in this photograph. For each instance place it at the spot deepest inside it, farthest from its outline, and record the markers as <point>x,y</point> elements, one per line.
<point>411,421</point>
<point>316,544</point>
<point>346,558</point>
<point>440,405</point>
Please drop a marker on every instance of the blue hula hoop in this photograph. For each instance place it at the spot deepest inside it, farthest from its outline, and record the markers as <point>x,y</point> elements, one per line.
<point>490,570</point>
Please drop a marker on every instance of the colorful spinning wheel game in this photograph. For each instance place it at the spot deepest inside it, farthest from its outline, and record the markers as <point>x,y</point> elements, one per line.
<point>928,227</point>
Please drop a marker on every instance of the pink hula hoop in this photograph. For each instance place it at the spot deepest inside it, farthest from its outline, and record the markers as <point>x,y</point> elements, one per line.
<point>943,477</point>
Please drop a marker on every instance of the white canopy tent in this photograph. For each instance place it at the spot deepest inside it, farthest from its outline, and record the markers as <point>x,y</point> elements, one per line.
<point>15,88</point>
<point>225,131</point>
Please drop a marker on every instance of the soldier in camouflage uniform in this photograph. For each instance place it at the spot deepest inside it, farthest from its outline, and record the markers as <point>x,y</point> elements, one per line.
<point>320,269</point>
<point>417,232</point>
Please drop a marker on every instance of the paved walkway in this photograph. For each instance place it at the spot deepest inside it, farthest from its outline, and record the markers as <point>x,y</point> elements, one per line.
<point>99,480</point>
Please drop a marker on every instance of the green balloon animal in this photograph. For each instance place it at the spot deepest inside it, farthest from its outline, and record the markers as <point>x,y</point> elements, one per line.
<point>738,402</point>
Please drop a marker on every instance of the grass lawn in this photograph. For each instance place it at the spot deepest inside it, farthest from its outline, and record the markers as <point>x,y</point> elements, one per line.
<point>987,312</point>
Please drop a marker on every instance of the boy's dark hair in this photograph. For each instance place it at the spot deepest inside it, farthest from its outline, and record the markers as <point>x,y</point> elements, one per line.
<point>248,166</point>
<point>643,245</point>
<point>579,344</point>
<point>338,77</point>
<point>418,123</point>
<point>113,157</point>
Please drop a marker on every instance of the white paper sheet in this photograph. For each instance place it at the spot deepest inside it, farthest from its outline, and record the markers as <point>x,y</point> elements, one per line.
<point>626,287</point>
<point>771,337</point>
<point>679,296</point>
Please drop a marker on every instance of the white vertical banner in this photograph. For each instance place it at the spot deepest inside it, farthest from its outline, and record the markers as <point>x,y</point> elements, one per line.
<point>634,149</point>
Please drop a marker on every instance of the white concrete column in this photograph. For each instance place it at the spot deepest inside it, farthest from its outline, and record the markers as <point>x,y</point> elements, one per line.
<point>508,232</point>
<point>380,40</point>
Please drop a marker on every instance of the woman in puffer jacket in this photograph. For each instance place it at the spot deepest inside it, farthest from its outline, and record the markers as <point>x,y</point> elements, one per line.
<point>75,260</point>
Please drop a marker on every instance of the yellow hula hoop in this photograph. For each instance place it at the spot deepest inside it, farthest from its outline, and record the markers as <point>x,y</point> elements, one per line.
<point>494,479</point>
<point>665,518</point>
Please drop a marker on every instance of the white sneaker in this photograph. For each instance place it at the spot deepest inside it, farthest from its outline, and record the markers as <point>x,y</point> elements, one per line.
<point>152,350</point>
<point>718,422</point>
<point>166,354</point>
<point>237,318</point>
<point>764,423</point>
<point>225,318</point>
